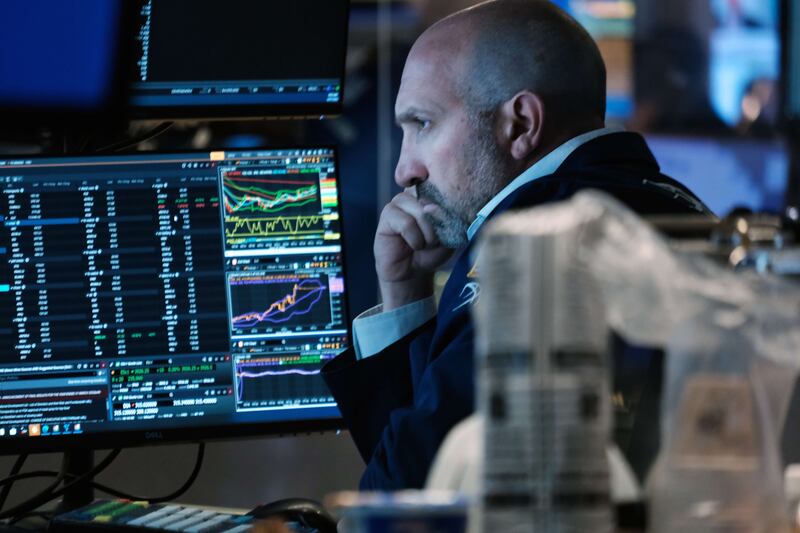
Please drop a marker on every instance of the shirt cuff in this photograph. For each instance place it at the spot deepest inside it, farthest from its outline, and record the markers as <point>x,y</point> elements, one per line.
<point>374,330</point>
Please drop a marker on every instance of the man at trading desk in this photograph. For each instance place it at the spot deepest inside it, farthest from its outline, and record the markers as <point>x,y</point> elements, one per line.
<point>502,107</point>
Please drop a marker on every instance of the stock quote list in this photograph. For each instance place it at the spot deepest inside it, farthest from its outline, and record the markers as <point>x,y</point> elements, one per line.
<point>141,288</point>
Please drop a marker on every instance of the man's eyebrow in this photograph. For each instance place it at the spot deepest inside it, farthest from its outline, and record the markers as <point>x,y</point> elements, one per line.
<point>409,115</point>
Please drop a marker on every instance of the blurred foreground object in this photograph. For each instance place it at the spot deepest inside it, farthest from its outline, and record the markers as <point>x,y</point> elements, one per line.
<point>409,511</point>
<point>732,341</point>
<point>543,383</point>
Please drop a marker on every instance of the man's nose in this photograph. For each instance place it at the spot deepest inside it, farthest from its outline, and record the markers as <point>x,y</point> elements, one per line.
<point>409,172</point>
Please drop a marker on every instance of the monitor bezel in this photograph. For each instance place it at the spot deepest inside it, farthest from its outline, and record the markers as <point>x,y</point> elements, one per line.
<point>246,111</point>
<point>102,440</point>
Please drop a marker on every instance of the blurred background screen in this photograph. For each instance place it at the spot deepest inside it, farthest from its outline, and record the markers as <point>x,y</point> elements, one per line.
<point>792,64</point>
<point>707,67</point>
<point>726,173</point>
<point>611,23</point>
<point>59,55</point>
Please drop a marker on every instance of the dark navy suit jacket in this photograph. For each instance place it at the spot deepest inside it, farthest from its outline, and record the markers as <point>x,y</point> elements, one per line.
<point>399,404</point>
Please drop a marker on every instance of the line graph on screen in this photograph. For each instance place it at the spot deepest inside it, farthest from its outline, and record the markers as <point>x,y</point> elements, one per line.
<point>263,303</point>
<point>267,381</point>
<point>258,210</point>
<point>266,196</point>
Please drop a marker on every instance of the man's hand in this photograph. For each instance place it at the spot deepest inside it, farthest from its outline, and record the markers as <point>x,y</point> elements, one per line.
<point>407,251</point>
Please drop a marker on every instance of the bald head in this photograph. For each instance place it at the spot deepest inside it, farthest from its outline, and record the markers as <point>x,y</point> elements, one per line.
<point>485,94</point>
<point>508,46</point>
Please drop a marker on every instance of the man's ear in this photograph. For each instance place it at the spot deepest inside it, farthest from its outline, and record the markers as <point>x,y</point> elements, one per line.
<point>522,124</point>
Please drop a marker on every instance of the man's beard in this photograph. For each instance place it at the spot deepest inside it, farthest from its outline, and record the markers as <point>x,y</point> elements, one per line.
<point>484,172</point>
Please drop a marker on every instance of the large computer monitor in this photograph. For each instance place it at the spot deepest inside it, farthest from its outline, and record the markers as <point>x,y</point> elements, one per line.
<point>168,296</point>
<point>240,58</point>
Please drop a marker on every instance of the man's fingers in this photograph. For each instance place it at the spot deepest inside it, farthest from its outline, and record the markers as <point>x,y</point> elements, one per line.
<point>431,259</point>
<point>396,221</point>
<point>409,204</point>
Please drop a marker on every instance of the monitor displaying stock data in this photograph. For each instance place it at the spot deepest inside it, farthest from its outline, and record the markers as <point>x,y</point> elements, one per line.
<point>169,295</point>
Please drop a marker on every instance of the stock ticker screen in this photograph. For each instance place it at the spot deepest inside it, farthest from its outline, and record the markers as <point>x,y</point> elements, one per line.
<point>168,290</point>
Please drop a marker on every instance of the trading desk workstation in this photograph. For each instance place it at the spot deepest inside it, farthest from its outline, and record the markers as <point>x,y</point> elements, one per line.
<point>194,292</point>
<point>170,296</point>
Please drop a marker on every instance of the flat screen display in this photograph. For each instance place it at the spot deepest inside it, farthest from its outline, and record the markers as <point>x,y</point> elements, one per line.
<point>63,62</point>
<point>168,296</point>
<point>792,61</point>
<point>239,58</point>
<point>726,173</point>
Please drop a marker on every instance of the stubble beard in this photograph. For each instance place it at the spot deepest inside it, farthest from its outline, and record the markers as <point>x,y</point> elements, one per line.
<point>483,170</point>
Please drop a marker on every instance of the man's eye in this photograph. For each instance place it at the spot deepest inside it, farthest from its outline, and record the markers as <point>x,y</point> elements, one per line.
<point>422,124</point>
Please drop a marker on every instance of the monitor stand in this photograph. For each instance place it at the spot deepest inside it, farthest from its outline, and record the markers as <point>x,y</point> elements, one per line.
<point>77,463</point>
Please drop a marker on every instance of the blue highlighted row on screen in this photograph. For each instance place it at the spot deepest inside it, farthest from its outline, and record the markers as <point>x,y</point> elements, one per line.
<point>43,222</point>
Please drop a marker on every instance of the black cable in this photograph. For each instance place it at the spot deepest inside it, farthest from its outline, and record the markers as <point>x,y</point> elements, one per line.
<point>201,448</point>
<point>44,515</point>
<point>87,476</point>
<point>73,480</point>
<point>28,475</point>
<point>52,492</point>
<point>133,141</point>
<point>85,143</point>
<point>34,501</point>
<point>18,464</point>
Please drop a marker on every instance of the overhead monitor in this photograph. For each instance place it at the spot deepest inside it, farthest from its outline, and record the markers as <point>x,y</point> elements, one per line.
<point>168,296</point>
<point>240,58</point>
<point>63,62</point>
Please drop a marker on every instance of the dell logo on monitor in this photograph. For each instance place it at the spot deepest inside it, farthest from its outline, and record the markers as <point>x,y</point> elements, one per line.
<point>153,435</point>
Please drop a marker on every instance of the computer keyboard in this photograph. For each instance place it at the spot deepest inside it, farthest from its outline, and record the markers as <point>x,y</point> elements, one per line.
<point>127,516</point>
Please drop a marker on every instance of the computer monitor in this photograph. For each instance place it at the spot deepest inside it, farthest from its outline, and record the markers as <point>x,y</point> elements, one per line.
<point>63,62</point>
<point>240,58</point>
<point>790,95</point>
<point>791,62</point>
<point>168,296</point>
<point>727,172</point>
